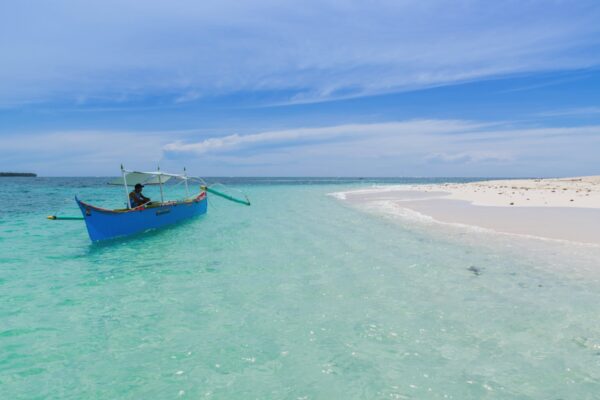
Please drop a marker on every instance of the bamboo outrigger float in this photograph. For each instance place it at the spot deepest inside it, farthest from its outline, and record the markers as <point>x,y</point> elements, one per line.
<point>103,224</point>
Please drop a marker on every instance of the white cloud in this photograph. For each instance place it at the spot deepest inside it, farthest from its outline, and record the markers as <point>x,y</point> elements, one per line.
<point>386,138</point>
<point>321,134</point>
<point>470,157</point>
<point>408,148</point>
<point>188,96</point>
<point>401,148</point>
<point>77,153</point>
<point>572,112</point>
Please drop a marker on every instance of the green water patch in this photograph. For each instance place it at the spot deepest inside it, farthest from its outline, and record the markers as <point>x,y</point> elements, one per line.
<point>297,296</point>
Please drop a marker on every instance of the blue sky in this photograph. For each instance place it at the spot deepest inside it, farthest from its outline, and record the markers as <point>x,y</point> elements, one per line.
<point>319,88</point>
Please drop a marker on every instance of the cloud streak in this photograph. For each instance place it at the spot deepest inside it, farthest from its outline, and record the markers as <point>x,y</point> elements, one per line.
<point>572,112</point>
<point>415,148</point>
<point>381,139</point>
<point>318,135</point>
<point>80,153</point>
<point>314,51</point>
<point>431,147</point>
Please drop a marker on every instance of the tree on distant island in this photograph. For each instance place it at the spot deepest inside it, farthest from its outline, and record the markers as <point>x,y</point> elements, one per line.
<point>13,174</point>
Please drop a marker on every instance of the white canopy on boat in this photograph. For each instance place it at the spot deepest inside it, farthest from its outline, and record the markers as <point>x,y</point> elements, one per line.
<point>145,178</point>
<point>131,178</point>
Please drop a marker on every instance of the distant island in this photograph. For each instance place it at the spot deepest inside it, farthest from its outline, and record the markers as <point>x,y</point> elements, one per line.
<point>12,174</point>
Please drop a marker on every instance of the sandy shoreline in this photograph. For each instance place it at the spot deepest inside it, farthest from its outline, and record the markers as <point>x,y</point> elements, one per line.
<point>563,209</point>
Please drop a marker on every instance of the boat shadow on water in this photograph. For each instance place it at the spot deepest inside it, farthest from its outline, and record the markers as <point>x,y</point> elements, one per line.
<point>142,238</point>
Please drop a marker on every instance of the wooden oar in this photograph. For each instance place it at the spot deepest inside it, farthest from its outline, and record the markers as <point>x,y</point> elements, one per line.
<point>56,218</point>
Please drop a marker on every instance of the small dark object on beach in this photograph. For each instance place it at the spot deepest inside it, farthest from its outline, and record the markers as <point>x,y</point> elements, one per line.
<point>474,270</point>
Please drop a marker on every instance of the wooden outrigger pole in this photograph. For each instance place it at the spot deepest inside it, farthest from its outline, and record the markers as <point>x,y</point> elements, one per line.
<point>207,189</point>
<point>126,188</point>
<point>185,180</point>
<point>162,197</point>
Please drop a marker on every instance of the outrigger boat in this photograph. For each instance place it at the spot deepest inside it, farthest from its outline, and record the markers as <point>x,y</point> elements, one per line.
<point>103,224</point>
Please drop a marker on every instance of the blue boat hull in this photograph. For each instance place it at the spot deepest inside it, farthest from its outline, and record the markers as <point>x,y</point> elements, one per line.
<point>103,224</point>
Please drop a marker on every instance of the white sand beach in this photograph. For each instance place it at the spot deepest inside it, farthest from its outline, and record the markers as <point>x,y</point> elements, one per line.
<point>564,209</point>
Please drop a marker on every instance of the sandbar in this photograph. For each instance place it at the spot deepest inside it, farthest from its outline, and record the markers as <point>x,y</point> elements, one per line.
<point>559,208</point>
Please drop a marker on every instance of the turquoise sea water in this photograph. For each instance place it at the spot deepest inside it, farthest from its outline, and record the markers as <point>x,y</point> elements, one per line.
<point>299,296</point>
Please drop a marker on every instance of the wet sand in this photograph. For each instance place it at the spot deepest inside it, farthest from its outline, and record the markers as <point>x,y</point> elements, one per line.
<point>563,209</point>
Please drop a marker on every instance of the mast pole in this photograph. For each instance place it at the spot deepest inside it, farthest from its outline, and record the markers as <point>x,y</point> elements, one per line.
<point>162,199</point>
<point>187,190</point>
<point>126,189</point>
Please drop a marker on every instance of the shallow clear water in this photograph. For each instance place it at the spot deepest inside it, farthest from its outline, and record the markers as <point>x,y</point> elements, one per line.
<point>297,297</point>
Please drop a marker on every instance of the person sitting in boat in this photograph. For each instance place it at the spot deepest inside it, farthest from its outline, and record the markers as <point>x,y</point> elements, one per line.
<point>136,198</point>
